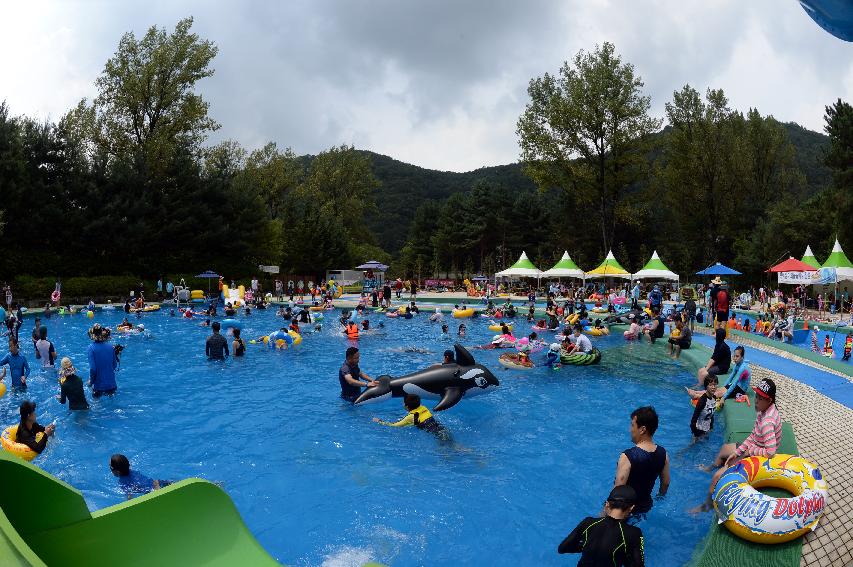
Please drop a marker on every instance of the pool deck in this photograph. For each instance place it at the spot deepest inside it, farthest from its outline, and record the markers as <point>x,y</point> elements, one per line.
<point>824,430</point>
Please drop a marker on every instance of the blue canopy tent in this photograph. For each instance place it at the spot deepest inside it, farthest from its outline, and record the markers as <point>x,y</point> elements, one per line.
<point>208,275</point>
<point>718,270</point>
<point>371,283</point>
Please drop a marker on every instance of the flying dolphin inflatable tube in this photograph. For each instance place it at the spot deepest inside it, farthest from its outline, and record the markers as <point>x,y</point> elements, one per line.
<point>448,383</point>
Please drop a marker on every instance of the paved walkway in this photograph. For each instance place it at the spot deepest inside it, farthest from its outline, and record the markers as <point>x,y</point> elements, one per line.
<point>817,402</point>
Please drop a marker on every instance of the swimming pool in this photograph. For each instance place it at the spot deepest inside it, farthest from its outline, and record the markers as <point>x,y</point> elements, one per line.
<point>318,483</point>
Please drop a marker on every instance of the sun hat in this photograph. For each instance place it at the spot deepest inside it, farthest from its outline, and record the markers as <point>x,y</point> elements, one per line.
<point>766,389</point>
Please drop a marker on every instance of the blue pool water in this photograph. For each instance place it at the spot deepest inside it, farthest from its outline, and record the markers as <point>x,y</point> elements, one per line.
<point>318,483</point>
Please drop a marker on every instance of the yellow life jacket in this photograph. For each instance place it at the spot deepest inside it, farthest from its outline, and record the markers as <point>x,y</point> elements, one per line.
<point>421,414</point>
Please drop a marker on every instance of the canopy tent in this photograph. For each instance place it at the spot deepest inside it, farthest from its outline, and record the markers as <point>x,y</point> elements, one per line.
<point>718,270</point>
<point>479,278</point>
<point>609,268</point>
<point>838,260</point>
<point>792,265</point>
<point>373,265</point>
<point>809,258</point>
<point>523,268</point>
<point>565,268</point>
<point>655,269</point>
<point>208,275</point>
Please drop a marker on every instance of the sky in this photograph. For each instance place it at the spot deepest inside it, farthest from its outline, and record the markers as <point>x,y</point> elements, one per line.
<point>436,83</point>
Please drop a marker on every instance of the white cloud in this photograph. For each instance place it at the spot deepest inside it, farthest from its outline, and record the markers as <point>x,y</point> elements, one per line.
<point>440,84</point>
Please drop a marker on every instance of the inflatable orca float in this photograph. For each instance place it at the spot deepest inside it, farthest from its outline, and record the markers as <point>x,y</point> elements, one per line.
<point>638,314</point>
<point>449,382</point>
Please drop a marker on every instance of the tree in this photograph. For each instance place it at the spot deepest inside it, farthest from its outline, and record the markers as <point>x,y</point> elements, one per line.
<point>594,111</point>
<point>839,126</point>
<point>147,106</point>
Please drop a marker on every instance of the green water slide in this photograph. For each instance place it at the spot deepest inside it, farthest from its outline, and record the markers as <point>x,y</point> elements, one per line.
<point>45,522</point>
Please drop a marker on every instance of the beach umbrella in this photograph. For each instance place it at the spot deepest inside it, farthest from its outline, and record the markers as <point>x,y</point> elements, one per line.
<point>373,265</point>
<point>809,258</point>
<point>523,268</point>
<point>718,269</point>
<point>208,275</point>
<point>656,269</point>
<point>609,268</point>
<point>838,260</point>
<point>565,268</point>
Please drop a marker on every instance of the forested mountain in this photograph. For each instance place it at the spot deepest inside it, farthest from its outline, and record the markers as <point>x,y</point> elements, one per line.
<point>404,187</point>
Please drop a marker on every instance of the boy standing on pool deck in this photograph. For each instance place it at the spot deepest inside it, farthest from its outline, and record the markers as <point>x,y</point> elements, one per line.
<point>645,462</point>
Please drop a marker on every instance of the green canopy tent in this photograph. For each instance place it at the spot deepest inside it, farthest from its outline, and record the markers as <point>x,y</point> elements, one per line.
<point>839,260</point>
<point>655,269</point>
<point>808,258</point>
<point>524,268</point>
<point>565,268</point>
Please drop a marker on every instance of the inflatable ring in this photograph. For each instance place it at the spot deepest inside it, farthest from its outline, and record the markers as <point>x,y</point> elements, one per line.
<point>17,449</point>
<point>316,308</point>
<point>597,332</point>
<point>581,358</point>
<point>573,319</point>
<point>392,314</point>
<point>2,389</point>
<point>598,310</point>
<point>536,328</point>
<point>757,517</point>
<point>297,338</point>
<point>463,313</point>
<point>54,297</point>
<point>230,324</point>
<point>512,360</point>
<point>499,328</point>
<point>619,300</point>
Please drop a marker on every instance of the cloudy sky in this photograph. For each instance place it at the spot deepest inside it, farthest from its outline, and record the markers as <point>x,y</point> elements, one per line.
<point>437,83</point>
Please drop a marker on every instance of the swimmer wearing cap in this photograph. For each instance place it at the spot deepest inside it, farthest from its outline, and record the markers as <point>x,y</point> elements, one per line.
<point>608,540</point>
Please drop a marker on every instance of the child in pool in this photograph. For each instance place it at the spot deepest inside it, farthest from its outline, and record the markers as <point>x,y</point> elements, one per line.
<point>827,346</point>
<point>461,331</point>
<point>703,416</point>
<point>848,347</point>
<point>133,483</point>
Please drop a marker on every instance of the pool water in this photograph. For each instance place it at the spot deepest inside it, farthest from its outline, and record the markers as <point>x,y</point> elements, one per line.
<point>318,482</point>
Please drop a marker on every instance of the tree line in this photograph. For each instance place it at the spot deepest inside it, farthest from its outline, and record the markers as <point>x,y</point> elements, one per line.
<point>126,183</point>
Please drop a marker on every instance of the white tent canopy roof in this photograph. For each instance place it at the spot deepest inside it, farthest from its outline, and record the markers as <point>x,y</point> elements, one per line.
<point>655,269</point>
<point>523,268</point>
<point>565,268</point>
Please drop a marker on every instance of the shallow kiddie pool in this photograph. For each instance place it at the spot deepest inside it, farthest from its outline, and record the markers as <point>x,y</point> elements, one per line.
<point>319,483</point>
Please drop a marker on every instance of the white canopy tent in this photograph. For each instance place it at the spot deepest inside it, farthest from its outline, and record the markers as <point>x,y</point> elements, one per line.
<point>524,268</point>
<point>565,268</point>
<point>655,269</point>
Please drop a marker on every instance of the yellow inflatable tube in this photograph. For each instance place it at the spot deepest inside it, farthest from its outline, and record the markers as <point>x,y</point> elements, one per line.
<point>297,338</point>
<point>7,440</point>
<point>757,517</point>
<point>498,328</point>
<point>463,313</point>
<point>573,318</point>
<point>595,332</point>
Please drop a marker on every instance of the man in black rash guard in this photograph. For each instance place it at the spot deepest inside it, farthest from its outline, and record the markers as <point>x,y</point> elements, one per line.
<point>608,540</point>
<point>350,376</point>
<point>216,347</point>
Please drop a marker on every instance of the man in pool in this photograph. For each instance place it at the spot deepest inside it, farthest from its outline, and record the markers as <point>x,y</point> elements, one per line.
<point>19,368</point>
<point>721,358</point>
<point>350,376</point>
<point>608,539</point>
<point>133,483</point>
<point>419,416</point>
<point>579,342</point>
<point>103,362</point>
<point>645,462</point>
<point>216,347</point>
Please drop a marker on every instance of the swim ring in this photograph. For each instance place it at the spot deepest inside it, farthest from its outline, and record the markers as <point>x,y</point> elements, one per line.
<point>7,440</point>
<point>392,314</point>
<point>598,310</point>
<point>619,300</point>
<point>538,328</point>
<point>580,358</point>
<point>498,328</point>
<point>513,360</point>
<point>463,313</point>
<point>316,308</point>
<point>2,389</point>
<point>54,297</point>
<point>755,516</point>
<point>230,324</point>
<point>297,338</point>
<point>596,332</point>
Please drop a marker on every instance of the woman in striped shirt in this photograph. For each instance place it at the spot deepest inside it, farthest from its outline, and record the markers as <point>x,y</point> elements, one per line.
<point>762,442</point>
